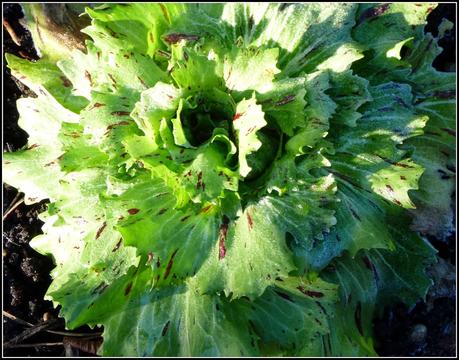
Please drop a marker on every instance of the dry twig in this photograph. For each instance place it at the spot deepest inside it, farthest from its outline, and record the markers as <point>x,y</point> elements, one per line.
<point>56,332</point>
<point>12,33</point>
<point>30,332</point>
<point>11,209</point>
<point>35,345</point>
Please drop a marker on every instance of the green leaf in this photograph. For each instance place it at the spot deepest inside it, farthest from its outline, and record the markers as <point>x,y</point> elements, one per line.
<point>285,104</point>
<point>131,27</point>
<point>404,179</point>
<point>122,71</point>
<point>250,69</point>
<point>374,278</point>
<point>55,28</point>
<point>45,79</point>
<point>435,150</point>
<point>79,153</point>
<point>193,71</point>
<point>33,172</point>
<point>248,120</point>
<point>369,154</point>
<point>160,101</point>
<point>207,176</point>
<point>174,320</point>
<point>318,112</point>
<point>294,313</point>
<point>229,267</point>
<point>349,92</point>
<point>394,25</point>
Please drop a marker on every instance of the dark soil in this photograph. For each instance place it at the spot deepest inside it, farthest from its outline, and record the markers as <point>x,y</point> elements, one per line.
<point>426,330</point>
<point>429,329</point>
<point>25,272</point>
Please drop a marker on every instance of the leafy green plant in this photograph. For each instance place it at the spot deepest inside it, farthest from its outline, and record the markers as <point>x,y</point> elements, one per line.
<point>238,179</point>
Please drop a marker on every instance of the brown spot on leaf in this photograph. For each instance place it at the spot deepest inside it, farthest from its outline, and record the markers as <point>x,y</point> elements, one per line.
<point>444,175</point>
<point>310,293</point>
<point>87,75</point>
<point>162,211</point>
<point>113,80</point>
<point>163,53</point>
<point>449,131</point>
<point>402,177</point>
<point>66,82</point>
<point>445,153</point>
<point>100,288</point>
<point>221,241</point>
<point>118,244</point>
<point>371,267</point>
<point>165,13</point>
<point>104,225</point>
<point>249,221</point>
<point>358,317</point>
<point>128,289</point>
<point>250,130</point>
<point>175,38</point>
<point>390,188</point>
<point>206,209</point>
<point>354,214</point>
<point>284,296</point>
<point>133,211</point>
<point>143,82</point>
<point>166,327</point>
<point>237,116</point>
<point>448,94</point>
<point>373,12</point>
<point>33,146</point>
<point>120,113</point>
<point>199,183</point>
<point>400,101</point>
<point>169,264</point>
<point>97,105</point>
<point>285,100</point>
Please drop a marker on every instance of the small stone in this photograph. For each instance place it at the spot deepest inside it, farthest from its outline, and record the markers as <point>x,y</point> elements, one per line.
<point>28,267</point>
<point>16,295</point>
<point>33,305</point>
<point>419,333</point>
<point>47,316</point>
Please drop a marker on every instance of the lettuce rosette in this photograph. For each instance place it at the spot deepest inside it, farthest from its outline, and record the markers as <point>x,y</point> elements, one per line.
<point>238,179</point>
